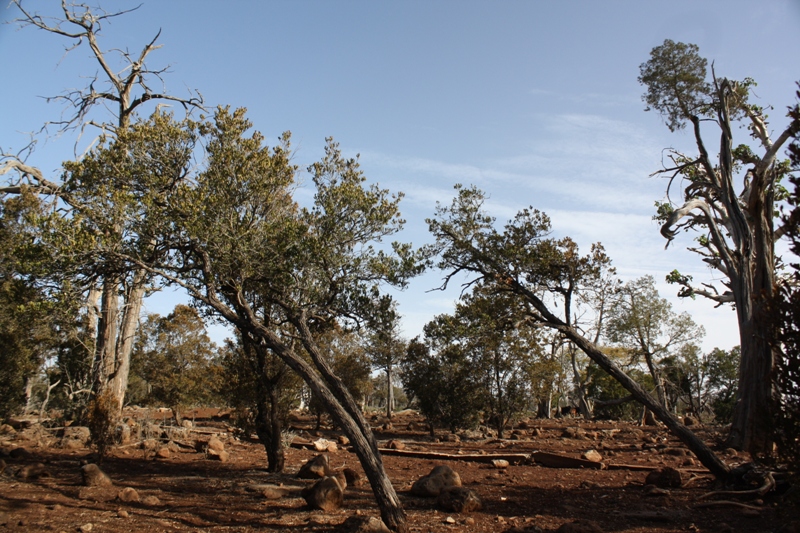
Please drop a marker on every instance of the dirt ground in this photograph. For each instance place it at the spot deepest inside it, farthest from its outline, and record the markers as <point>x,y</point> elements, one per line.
<point>186,490</point>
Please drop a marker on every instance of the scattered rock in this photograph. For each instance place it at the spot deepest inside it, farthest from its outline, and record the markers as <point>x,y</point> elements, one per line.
<point>592,455</point>
<point>343,440</point>
<point>459,500</point>
<point>499,463</point>
<point>452,437</point>
<point>79,435</point>
<point>316,468</point>
<point>163,453</point>
<point>440,478</point>
<point>579,526</point>
<point>326,494</point>
<point>395,444</point>
<point>221,456</point>
<point>85,528</point>
<point>94,477</point>
<point>574,433</point>
<point>214,444</point>
<point>363,524</point>
<point>353,477</point>
<point>324,445</point>
<point>122,513</point>
<point>665,478</point>
<point>128,495</point>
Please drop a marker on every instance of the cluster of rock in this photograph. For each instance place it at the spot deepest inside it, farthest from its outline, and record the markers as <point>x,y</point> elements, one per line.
<point>327,493</point>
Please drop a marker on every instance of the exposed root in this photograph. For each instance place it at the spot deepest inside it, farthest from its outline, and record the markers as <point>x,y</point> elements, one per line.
<point>768,485</point>
<point>729,503</point>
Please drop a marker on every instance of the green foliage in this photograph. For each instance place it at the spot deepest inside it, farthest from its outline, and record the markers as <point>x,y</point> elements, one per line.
<point>675,76</point>
<point>643,322</point>
<point>722,369</point>
<point>32,312</point>
<point>176,359</point>
<point>442,383</point>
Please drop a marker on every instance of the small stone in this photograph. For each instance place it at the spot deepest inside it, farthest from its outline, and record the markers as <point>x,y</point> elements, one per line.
<point>122,513</point>
<point>449,520</point>
<point>85,528</point>
<point>469,521</point>
<point>592,455</point>
<point>499,463</point>
<point>128,495</point>
<point>395,444</point>
<point>163,453</point>
<point>215,444</point>
<point>343,440</point>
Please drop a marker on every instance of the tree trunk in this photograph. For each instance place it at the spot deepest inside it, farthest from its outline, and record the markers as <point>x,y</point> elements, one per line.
<point>269,428</point>
<point>544,407</point>
<point>703,452</point>
<point>343,409</point>
<point>656,375</point>
<point>105,347</point>
<point>130,321</point>
<point>389,392</point>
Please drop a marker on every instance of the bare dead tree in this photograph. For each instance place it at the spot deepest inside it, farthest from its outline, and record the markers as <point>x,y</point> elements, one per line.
<point>121,86</point>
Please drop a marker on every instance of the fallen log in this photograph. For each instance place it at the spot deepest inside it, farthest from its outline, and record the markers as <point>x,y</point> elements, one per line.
<point>554,460</point>
<point>512,458</point>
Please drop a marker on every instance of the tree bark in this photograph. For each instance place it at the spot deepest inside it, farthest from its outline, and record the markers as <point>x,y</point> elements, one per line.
<point>130,320</point>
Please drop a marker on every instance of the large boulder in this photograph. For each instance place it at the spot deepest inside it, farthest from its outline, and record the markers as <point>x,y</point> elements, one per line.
<point>440,478</point>
<point>326,494</point>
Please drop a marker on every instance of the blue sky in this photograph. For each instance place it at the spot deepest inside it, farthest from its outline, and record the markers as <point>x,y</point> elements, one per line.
<point>535,102</point>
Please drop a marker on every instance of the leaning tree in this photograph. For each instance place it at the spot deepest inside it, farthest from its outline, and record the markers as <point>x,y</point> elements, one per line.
<point>728,201</point>
<point>229,228</point>
<point>522,259</point>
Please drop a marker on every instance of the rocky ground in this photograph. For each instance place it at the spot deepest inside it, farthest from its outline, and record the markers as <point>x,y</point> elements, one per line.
<point>204,479</point>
